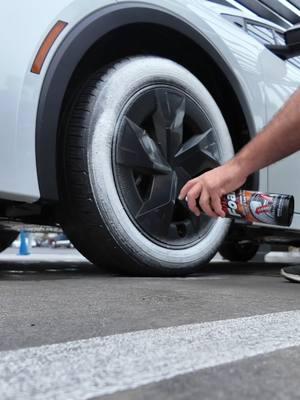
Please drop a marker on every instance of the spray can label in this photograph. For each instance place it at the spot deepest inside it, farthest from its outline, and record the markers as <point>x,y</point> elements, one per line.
<point>273,209</point>
<point>231,205</point>
<point>262,208</point>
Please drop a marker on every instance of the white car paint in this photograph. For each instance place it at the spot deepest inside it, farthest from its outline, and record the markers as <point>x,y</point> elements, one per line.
<point>28,23</point>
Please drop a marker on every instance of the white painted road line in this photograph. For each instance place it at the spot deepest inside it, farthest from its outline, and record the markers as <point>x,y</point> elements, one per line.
<point>289,257</point>
<point>87,368</point>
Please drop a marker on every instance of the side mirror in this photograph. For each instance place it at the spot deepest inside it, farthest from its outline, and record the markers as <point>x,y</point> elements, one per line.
<point>292,47</point>
<point>292,37</point>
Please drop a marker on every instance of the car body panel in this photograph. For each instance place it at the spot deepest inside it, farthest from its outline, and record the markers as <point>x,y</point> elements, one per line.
<point>20,89</point>
<point>281,81</point>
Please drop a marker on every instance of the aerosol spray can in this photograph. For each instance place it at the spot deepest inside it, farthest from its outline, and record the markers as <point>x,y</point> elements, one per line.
<point>273,209</point>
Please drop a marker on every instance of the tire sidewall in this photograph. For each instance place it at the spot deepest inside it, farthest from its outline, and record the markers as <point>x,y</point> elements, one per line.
<point>118,87</point>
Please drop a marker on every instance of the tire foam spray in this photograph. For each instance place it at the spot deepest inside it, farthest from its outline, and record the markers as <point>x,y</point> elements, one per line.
<point>273,209</point>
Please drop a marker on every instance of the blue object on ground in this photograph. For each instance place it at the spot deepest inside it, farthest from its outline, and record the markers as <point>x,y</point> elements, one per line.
<point>23,250</point>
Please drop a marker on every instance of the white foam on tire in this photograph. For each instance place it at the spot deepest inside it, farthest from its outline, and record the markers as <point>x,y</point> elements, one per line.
<point>119,85</point>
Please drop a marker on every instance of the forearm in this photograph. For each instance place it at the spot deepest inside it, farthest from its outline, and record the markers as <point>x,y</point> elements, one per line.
<point>280,138</point>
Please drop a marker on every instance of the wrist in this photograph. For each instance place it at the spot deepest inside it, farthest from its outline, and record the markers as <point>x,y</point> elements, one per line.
<point>240,168</point>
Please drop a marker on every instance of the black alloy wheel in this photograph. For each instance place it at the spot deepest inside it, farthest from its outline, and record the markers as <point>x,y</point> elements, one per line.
<point>164,140</point>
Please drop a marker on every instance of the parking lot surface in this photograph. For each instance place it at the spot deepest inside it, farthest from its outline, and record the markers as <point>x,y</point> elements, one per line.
<point>70,330</point>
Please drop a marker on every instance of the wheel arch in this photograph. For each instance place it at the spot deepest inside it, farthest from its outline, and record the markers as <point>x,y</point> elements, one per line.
<point>69,56</point>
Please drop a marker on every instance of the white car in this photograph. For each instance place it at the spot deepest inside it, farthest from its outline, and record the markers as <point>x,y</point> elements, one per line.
<point>108,107</point>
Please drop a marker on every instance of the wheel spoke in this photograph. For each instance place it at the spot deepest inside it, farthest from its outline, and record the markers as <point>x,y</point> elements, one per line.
<point>198,154</point>
<point>156,214</point>
<point>168,121</point>
<point>182,177</point>
<point>137,150</point>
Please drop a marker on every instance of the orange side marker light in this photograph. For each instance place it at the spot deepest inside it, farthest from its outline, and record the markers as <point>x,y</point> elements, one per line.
<point>46,46</point>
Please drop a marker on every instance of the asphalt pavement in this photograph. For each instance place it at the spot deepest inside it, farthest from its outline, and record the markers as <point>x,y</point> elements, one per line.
<point>72,331</point>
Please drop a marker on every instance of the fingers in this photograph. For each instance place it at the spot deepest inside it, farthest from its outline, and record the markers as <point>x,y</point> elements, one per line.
<point>217,206</point>
<point>205,204</point>
<point>197,195</point>
<point>186,188</point>
<point>192,196</point>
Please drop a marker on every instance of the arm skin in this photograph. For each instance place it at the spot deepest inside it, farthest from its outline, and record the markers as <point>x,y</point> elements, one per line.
<point>280,138</point>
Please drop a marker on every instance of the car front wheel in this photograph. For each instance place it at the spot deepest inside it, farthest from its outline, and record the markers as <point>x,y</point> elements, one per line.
<point>132,138</point>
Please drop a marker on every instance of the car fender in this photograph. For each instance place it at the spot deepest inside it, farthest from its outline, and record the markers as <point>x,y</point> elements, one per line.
<point>236,54</point>
<point>24,26</point>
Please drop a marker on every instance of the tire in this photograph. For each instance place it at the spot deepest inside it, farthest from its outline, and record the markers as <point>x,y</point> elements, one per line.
<point>238,251</point>
<point>104,180</point>
<point>6,239</point>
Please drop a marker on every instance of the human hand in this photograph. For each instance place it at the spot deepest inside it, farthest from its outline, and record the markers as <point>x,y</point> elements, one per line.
<point>206,190</point>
